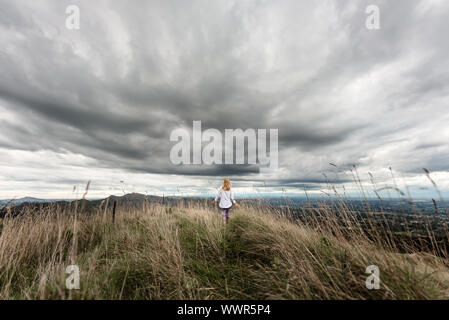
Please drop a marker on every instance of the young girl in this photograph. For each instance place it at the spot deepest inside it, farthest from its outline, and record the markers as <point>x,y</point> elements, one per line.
<point>226,199</point>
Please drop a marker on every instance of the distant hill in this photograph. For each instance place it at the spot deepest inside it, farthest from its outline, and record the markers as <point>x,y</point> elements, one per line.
<point>15,202</point>
<point>31,205</point>
<point>134,197</point>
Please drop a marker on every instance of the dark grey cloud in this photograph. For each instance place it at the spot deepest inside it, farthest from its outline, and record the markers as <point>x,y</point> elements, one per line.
<point>338,92</point>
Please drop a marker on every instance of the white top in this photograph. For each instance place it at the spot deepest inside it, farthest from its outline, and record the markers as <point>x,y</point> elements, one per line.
<point>226,198</point>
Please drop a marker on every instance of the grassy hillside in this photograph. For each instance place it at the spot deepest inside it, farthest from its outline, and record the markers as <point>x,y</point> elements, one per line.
<point>161,252</point>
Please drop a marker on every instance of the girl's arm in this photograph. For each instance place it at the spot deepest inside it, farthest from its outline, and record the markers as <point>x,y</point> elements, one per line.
<point>232,197</point>
<point>216,197</point>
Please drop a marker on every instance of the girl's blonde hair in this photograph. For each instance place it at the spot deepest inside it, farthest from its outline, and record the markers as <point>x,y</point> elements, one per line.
<point>226,184</point>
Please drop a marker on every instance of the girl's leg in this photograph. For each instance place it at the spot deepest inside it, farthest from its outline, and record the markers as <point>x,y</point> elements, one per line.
<point>223,214</point>
<point>227,214</point>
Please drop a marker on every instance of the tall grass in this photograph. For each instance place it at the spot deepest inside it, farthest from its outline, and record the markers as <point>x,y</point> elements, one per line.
<point>187,252</point>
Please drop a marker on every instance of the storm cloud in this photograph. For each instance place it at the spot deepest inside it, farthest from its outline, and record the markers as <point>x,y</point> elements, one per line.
<point>100,103</point>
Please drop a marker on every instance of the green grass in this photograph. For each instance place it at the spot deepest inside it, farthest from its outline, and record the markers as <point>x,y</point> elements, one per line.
<point>189,253</point>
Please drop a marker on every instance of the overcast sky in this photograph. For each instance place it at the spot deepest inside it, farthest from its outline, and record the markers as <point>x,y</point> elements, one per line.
<point>99,103</point>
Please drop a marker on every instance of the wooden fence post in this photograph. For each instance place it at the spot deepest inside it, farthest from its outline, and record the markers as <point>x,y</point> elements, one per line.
<point>113,211</point>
